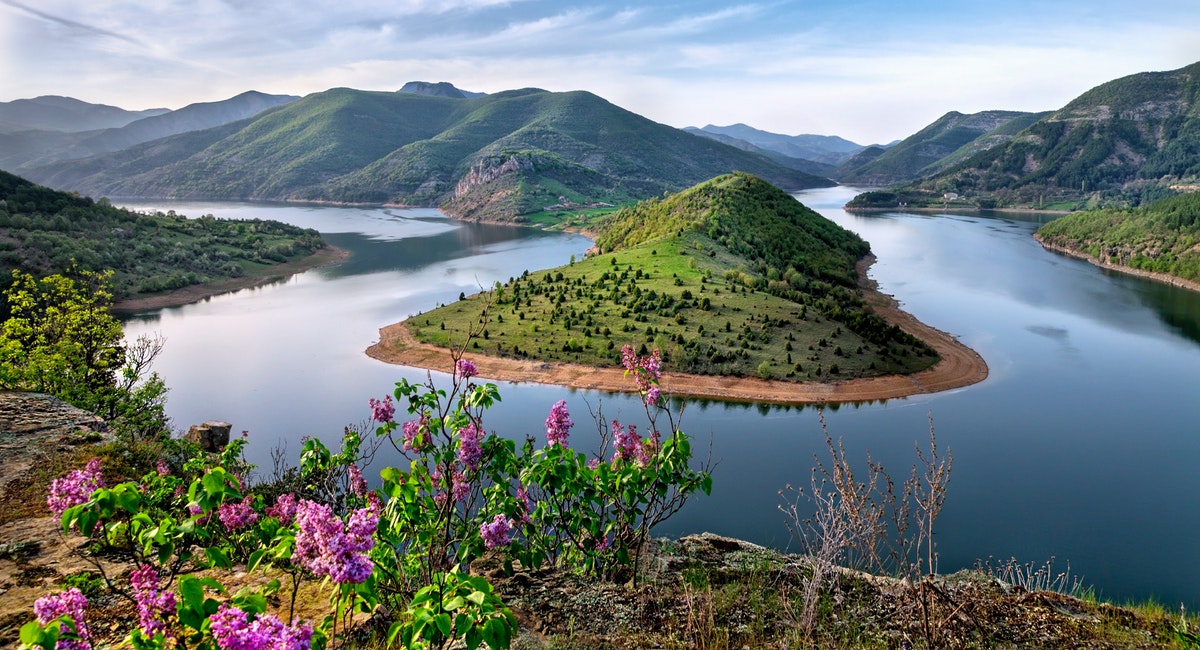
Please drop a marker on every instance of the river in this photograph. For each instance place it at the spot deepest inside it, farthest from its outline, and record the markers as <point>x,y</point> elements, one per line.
<point>1080,445</point>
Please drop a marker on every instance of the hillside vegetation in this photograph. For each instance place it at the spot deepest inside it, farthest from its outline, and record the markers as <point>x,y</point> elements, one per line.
<point>1163,237</point>
<point>730,277</point>
<point>497,157</point>
<point>44,231</point>
<point>1126,142</point>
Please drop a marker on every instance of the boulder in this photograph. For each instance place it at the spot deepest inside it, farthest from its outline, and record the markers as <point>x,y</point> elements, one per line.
<point>211,436</point>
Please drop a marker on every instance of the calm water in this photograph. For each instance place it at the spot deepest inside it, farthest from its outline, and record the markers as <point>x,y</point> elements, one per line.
<point>1080,445</point>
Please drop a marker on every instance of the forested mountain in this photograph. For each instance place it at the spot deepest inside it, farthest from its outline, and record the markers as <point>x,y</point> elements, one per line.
<point>825,149</point>
<point>730,277</point>
<point>1125,142</point>
<point>1162,237</point>
<point>30,149</point>
<point>44,231</point>
<point>804,165</point>
<point>439,89</point>
<point>952,137</point>
<point>495,157</point>
<point>67,114</point>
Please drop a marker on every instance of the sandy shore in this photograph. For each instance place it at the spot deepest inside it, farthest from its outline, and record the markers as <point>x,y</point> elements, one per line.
<point>195,293</point>
<point>959,366</point>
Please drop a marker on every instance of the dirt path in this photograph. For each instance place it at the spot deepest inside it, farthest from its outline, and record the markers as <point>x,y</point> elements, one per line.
<point>959,366</point>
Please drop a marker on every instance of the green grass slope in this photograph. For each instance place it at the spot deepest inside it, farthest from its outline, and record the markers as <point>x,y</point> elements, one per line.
<point>730,277</point>
<point>44,231</point>
<point>1163,237</point>
<point>495,157</point>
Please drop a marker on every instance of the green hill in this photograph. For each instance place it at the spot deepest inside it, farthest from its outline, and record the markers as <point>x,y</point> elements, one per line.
<point>1126,142</point>
<point>952,136</point>
<point>44,231</point>
<point>730,277</point>
<point>498,157</point>
<point>1162,237</point>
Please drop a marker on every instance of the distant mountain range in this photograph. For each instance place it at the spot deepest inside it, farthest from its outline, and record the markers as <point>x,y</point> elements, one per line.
<point>27,149</point>
<point>54,113</point>
<point>494,157</point>
<point>827,149</point>
<point>439,89</point>
<point>1126,142</point>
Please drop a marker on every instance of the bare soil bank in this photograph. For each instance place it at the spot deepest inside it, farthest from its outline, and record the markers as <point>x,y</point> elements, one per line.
<point>959,366</point>
<point>1120,268</point>
<point>195,293</point>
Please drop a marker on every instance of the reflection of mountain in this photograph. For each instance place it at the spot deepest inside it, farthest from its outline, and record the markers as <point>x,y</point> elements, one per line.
<point>411,253</point>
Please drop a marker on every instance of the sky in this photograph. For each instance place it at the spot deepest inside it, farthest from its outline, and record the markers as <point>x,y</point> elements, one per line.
<point>871,71</point>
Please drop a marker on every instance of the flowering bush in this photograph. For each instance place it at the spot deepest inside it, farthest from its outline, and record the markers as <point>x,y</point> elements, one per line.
<point>408,545</point>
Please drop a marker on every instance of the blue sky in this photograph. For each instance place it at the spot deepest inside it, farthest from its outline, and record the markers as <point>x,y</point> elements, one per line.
<point>869,71</point>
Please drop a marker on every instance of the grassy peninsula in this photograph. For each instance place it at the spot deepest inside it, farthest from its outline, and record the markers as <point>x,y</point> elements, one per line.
<point>731,277</point>
<point>44,231</point>
<point>1160,238</point>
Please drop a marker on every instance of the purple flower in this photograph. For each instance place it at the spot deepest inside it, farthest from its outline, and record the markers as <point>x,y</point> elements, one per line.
<point>162,468</point>
<point>459,488</point>
<point>284,509</point>
<point>558,424</point>
<point>647,371</point>
<point>496,533</point>
<point>469,450</point>
<point>155,606</point>
<point>414,433</point>
<point>652,396</point>
<point>629,445</point>
<point>74,488</point>
<point>237,515</point>
<point>358,484</point>
<point>232,629</point>
<point>327,547</point>
<point>464,369</point>
<point>382,411</point>
<point>71,603</point>
<point>526,504</point>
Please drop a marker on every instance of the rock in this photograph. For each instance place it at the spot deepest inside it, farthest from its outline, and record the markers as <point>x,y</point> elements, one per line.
<point>211,436</point>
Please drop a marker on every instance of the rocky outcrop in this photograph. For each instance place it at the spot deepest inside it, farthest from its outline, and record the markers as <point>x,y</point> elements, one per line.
<point>489,169</point>
<point>30,422</point>
<point>212,436</point>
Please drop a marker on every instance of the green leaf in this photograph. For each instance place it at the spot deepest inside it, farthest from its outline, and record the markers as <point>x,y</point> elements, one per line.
<point>454,603</point>
<point>442,621</point>
<point>217,557</point>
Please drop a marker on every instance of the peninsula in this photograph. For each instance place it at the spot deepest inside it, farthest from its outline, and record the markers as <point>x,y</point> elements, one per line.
<point>748,294</point>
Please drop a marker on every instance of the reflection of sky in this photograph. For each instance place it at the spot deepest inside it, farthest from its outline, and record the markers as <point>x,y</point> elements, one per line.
<point>386,224</point>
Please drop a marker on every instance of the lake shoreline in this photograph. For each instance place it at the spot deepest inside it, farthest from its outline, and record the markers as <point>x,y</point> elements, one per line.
<point>326,256</point>
<point>1166,278</point>
<point>958,367</point>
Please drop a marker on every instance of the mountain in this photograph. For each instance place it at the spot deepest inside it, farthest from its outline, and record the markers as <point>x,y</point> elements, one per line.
<point>439,89</point>
<point>951,137</point>
<point>804,165</point>
<point>732,276</point>
<point>827,149</point>
<point>29,149</point>
<point>496,157</point>
<point>54,113</point>
<point>1125,142</point>
<point>44,231</point>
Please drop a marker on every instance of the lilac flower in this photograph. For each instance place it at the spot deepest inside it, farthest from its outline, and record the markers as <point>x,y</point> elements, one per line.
<point>594,464</point>
<point>628,444</point>
<point>237,515</point>
<point>647,371</point>
<point>358,484</point>
<point>558,424</point>
<point>162,468</point>
<point>71,603</point>
<point>232,629</point>
<point>414,433</point>
<point>327,547</point>
<point>382,411</point>
<point>497,533</point>
<point>526,504</point>
<point>469,450</point>
<point>464,369</point>
<point>74,488</point>
<point>653,394</point>
<point>459,488</point>
<point>155,606</point>
<point>284,509</point>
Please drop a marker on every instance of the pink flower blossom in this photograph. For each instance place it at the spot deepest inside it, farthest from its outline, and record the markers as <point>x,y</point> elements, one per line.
<point>327,547</point>
<point>647,371</point>
<point>236,515</point>
<point>464,369</point>
<point>496,533</point>
<point>558,424</point>
<point>630,446</point>
<point>232,629</point>
<point>162,468</point>
<point>358,484</point>
<point>284,509</point>
<point>415,433</point>
<point>71,603</point>
<point>382,411</point>
<point>469,450</point>
<point>74,488</point>
<point>155,607</point>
